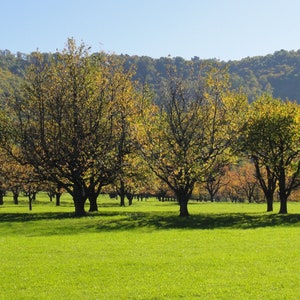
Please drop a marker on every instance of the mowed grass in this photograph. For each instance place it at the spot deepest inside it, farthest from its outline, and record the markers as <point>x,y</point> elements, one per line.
<point>223,251</point>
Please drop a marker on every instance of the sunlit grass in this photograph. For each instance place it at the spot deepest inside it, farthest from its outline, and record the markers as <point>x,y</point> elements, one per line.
<point>223,251</point>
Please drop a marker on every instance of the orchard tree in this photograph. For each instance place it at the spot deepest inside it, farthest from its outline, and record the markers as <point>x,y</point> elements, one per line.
<point>13,174</point>
<point>271,138</point>
<point>215,178</point>
<point>229,190</point>
<point>65,122</point>
<point>197,121</point>
<point>133,178</point>
<point>208,189</point>
<point>247,184</point>
<point>17,178</point>
<point>125,112</point>
<point>123,98</point>
<point>31,184</point>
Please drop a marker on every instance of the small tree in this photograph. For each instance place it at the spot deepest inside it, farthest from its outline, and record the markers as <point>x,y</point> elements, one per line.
<point>132,178</point>
<point>271,137</point>
<point>247,184</point>
<point>214,179</point>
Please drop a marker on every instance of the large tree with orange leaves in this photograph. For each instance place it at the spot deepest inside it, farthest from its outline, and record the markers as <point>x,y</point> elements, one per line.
<point>69,122</point>
<point>198,120</point>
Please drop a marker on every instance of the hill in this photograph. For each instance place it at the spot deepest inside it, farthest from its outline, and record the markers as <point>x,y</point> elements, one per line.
<point>277,73</point>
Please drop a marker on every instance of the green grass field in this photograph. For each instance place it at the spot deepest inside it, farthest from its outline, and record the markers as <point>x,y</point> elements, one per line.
<point>223,251</point>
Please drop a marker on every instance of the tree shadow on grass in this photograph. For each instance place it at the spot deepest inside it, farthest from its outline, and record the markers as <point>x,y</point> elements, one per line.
<point>201,221</point>
<point>26,217</point>
<point>118,221</point>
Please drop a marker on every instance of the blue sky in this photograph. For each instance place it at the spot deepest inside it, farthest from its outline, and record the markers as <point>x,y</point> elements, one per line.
<point>222,29</point>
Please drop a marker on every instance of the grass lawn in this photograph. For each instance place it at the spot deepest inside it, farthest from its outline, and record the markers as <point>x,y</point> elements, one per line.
<point>223,251</point>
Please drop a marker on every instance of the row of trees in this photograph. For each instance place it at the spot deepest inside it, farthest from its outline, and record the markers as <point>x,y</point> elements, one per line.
<point>82,123</point>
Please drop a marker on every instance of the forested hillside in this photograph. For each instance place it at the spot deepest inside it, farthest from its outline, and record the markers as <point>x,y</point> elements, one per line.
<point>277,74</point>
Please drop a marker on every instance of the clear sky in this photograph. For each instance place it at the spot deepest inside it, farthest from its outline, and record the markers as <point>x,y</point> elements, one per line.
<point>222,29</point>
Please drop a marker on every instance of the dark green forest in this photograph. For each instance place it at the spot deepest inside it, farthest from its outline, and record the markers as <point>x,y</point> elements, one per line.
<point>277,74</point>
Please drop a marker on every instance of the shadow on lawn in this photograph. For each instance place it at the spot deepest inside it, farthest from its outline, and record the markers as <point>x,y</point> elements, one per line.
<point>26,217</point>
<point>201,221</point>
<point>113,221</point>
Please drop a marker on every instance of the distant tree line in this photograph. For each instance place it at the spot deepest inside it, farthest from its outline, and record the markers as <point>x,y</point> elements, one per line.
<point>276,74</point>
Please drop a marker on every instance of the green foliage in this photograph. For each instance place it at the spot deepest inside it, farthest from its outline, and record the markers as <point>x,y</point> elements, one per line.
<point>277,74</point>
<point>271,139</point>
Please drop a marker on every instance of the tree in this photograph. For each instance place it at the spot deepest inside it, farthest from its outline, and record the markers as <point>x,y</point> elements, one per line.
<point>65,123</point>
<point>271,137</point>
<point>247,184</point>
<point>31,184</point>
<point>214,180</point>
<point>13,174</point>
<point>125,111</point>
<point>197,122</point>
<point>123,98</point>
<point>229,190</point>
<point>133,178</point>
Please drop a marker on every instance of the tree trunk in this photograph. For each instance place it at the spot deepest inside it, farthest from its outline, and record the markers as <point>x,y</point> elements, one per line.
<point>30,198</point>
<point>282,191</point>
<point>283,205</point>
<point>93,202</point>
<point>269,194</point>
<point>122,199</point>
<point>57,198</point>
<point>269,203</point>
<point>183,203</point>
<point>183,195</point>
<point>1,197</point>
<point>210,189</point>
<point>130,198</point>
<point>79,207</point>
<point>122,193</point>
<point>268,186</point>
<point>16,198</point>
<point>79,199</point>
<point>92,192</point>
<point>211,196</point>
<point>183,199</point>
<point>50,194</point>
